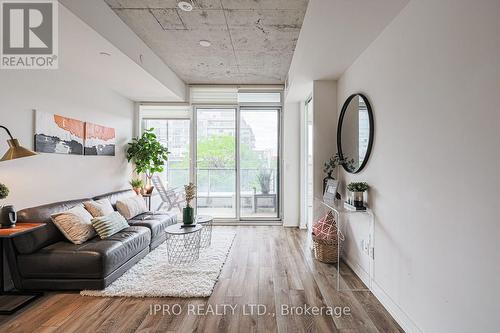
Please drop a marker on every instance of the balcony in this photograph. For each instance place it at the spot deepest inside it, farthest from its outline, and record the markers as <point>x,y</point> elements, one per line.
<point>216,194</point>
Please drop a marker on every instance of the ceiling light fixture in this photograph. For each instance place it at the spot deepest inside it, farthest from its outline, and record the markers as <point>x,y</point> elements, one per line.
<point>185,6</point>
<point>205,43</point>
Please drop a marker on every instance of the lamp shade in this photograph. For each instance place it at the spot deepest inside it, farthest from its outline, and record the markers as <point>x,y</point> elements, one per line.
<point>16,151</point>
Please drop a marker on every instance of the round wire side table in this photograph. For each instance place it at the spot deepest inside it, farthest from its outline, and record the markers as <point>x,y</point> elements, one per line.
<point>206,233</point>
<point>183,244</point>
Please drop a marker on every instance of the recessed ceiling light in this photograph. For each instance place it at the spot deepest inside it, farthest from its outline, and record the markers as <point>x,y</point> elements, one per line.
<point>185,6</point>
<point>105,54</point>
<point>205,43</point>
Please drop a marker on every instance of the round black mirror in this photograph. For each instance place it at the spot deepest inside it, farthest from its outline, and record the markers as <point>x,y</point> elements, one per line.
<point>355,133</point>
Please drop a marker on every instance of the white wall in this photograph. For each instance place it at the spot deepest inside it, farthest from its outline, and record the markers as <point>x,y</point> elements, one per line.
<point>433,78</point>
<point>98,15</point>
<point>324,132</point>
<point>52,177</point>
<point>291,168</point>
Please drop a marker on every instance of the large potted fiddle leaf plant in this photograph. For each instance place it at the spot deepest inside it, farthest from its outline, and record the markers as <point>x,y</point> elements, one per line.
<point>148,155</point>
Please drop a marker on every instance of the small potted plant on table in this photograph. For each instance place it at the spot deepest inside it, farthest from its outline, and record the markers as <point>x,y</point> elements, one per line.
<point>357,189</point>
<point>188,211</point>
<point>137,185</point>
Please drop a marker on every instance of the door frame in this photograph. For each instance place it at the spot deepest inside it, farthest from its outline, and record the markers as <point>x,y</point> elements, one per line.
<point>279,168</point>
<point>304,164</point>
<point>238,220</point>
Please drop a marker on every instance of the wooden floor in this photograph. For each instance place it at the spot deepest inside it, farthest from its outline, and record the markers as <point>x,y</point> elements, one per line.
<point>270,266</point>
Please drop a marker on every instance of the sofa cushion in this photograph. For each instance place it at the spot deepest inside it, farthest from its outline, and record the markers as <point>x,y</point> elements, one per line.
<point>156,222</point>
<point>113,197</point>
<point>132,206</point>
<point>107,226</point>
<point>75,224</point>
<point>48,234</point>
<point>93,259</point>
<point>98,208</point>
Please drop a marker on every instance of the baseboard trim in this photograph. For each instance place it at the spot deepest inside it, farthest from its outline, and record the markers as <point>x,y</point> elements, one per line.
<point>361,273</point>
<point>401,317</point>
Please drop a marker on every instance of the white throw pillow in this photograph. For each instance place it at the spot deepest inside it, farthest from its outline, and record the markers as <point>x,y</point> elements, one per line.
<point>98,208</point>
<point>131,207</point>
<point>75,224</point>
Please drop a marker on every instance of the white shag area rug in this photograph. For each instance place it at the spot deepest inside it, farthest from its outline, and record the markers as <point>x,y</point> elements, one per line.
<point>153,276</point>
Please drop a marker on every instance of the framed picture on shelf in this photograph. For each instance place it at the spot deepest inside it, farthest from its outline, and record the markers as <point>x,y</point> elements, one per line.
<point>330,191</point>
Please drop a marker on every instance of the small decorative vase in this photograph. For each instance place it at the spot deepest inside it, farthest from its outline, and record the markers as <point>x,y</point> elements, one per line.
<point>148,189</point>
<point>358,199</point>
<point>188,215</point>
<point>8,216</point>
<point>137,190</point>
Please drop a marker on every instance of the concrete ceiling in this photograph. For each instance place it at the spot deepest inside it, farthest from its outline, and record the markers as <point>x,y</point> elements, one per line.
<point>253,41</point>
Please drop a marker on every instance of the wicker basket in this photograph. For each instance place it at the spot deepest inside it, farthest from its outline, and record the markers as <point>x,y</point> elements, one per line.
<point>327,250</point>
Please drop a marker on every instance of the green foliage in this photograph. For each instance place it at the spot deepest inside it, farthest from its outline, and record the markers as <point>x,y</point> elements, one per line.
<point>334,161</point>
<point>219,152</point>
<point>216,152</point>
<point>147,153</point>
<point>136,183</point>
<point>4,191</point>
<point>332,164</point>
<point>358,187</point>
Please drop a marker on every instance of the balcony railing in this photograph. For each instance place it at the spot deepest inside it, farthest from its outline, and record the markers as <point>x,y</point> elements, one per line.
<point>216,186</point>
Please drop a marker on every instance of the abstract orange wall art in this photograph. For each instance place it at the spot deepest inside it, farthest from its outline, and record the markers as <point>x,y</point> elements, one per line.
<point>58,134</point>
<point>99,140</point>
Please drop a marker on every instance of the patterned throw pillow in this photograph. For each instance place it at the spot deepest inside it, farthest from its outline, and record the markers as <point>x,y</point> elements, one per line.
<point>326,227</point>
<point>75,224</point>
<point>107,226</point>
<point>131,207</point>
<point>99,207</point>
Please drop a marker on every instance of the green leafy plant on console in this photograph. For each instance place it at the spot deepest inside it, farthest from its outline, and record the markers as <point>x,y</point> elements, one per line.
<point>358,186</point>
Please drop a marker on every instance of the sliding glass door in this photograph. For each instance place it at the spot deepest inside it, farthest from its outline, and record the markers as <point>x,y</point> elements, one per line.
<point>259,161</point>
<point>237,162</point>
<point>216,162</point>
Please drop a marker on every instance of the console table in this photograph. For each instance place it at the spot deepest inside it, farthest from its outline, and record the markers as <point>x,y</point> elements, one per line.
<point>340,212</point>
<point>6,234</point>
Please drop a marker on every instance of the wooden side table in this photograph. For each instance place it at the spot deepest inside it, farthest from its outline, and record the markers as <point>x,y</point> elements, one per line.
<point>14,298</point>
